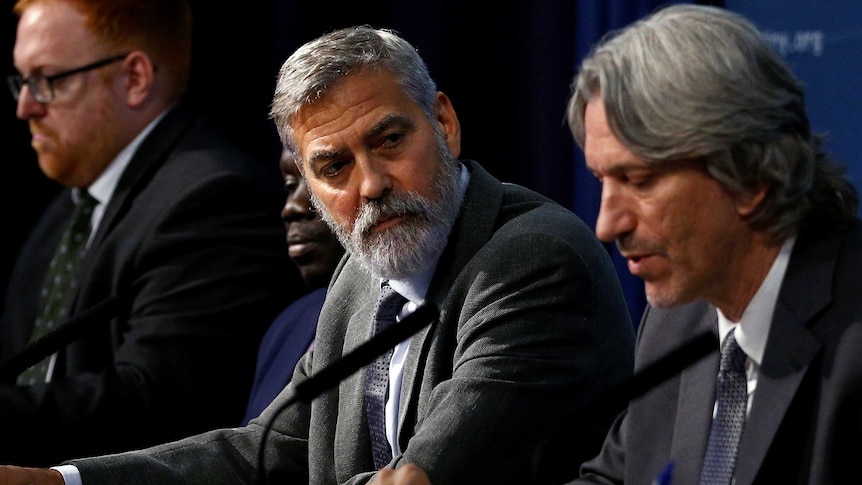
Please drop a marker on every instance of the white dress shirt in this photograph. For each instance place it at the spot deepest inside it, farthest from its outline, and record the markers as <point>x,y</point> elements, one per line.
<point>414,289</point>
<point>753,327</point>
<point>102,190</point>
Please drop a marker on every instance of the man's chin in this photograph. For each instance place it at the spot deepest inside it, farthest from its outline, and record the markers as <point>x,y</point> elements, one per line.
<point>658,297</point>
<point>667,296</point>
<point>377,270</point>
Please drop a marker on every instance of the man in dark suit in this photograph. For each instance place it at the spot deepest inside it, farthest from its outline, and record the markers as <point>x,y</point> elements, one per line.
<point>532,322</point>
<point>316,251</point>
<point>725,203</point>
<point>185,233</point>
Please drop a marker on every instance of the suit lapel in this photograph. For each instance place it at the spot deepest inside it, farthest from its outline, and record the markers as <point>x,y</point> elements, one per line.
<point>472,229</point>
<point>694,408</point>
<point>149,156</point>
<point>411,384</point>
<point>352,437</point>
<point>790,348</point>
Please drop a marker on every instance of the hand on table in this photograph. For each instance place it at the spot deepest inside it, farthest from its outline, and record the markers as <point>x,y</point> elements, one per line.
<point>15,475</point>
<point>404,475</point>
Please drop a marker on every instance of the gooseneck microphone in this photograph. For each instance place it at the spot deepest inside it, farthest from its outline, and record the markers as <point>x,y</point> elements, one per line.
<point>62,336</point>
<point>645,379</point>
<point>659,371</point>
<point>639,383</point>
<point>329,376</point>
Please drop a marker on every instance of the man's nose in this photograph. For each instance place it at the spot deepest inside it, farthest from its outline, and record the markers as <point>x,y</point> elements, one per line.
<point>615,214</point>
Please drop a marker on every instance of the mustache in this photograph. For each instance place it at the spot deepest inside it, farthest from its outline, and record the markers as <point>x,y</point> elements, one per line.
<point>627,244</point>
<point>393,204</point>
<point>37,128</point>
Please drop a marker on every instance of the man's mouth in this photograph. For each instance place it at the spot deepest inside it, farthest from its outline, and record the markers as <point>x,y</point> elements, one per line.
<point>638,264</point>
<point>299,244</point>
<point>387,222</point>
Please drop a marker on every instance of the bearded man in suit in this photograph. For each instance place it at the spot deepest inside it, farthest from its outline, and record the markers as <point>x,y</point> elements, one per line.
<point>532,321</point>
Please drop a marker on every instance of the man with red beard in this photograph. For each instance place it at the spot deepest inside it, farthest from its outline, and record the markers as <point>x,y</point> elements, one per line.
<point>183,230</point>
<point>532,322</point>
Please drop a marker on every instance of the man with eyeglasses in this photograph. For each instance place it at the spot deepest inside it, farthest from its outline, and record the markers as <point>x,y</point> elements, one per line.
<point>182,228</point>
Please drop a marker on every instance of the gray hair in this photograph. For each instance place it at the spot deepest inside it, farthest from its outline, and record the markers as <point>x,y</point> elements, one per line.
<point>693,81</point>
<point>320,64</point>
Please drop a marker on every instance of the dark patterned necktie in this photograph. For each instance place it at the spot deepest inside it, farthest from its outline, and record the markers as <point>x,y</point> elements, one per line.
<point>720,460</point>
<point>389,304</point>
<point>61,282</point>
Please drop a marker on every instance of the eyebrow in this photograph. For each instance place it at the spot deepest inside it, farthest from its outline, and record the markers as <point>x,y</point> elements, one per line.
<point>621,167</point>
<point>386,123</point>
<point>664,166</point>
<point>321,156</point>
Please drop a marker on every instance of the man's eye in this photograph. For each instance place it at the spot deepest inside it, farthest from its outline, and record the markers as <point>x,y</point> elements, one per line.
<point>392,140</point>
<point>640,179</point>
<point>333,169</point>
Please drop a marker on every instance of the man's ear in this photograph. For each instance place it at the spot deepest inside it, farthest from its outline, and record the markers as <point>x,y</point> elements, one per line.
<point>139,74</point>
<point>748,202</point>
<point>449,124</point>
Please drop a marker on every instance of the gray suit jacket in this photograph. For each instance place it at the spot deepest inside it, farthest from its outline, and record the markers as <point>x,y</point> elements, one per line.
<point>532,323</point>
<point>805,424</point>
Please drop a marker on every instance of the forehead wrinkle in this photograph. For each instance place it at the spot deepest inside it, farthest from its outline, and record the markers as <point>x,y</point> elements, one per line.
<point>379,127</point>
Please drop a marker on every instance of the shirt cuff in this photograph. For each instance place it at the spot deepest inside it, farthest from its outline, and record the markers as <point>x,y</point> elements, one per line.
<point>70,473</point>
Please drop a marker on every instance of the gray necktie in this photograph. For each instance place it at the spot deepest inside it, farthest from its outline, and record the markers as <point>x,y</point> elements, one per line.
<point>720,459</point>
<point>389,304</point>
<point>61,281</point>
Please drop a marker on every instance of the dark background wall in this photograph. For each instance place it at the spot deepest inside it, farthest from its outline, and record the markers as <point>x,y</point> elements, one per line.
<point>505,65</point>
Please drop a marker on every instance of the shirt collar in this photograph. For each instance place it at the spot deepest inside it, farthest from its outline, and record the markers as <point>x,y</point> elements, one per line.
<point>757,317</point>
<point>103,188</point>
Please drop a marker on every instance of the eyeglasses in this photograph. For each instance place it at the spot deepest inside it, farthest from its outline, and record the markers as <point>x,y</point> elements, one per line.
<point>42,87</point>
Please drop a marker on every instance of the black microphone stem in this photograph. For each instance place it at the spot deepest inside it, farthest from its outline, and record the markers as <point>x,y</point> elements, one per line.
<point>642,381</point>
<point>55,340</point>
<point>659,371</point>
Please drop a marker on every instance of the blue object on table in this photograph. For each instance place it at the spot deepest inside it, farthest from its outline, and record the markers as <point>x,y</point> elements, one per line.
<point>666,475</point>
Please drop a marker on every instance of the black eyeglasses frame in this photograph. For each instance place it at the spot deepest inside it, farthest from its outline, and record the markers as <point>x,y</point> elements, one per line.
<point>16,82</point>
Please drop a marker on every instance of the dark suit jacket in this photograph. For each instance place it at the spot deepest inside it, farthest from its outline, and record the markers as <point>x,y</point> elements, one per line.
<point>284,342</point>
<point>532,323</point>
<point>805,423</point>
<point>192,244</point>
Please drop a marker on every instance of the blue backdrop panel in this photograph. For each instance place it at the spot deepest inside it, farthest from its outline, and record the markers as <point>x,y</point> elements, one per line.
<point>822,41</point>
<point>595,19</point>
